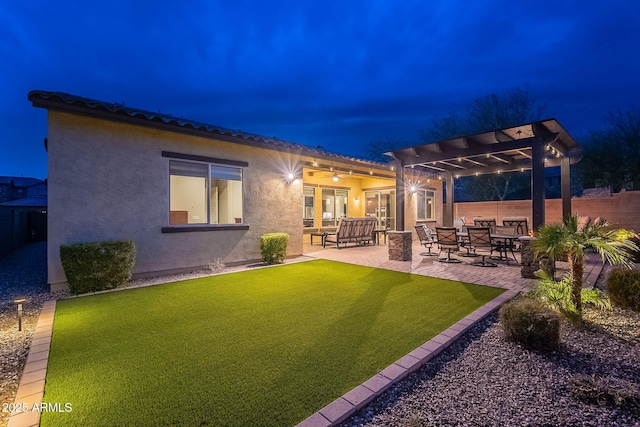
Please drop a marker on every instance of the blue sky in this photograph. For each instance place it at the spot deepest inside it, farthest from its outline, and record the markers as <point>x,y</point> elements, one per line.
<point>338,74</point>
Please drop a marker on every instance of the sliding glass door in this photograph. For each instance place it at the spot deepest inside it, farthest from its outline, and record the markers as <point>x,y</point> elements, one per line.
<point>381,204</point>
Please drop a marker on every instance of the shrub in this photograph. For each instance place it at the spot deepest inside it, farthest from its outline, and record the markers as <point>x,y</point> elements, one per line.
<point>273,247</point>
<point>623,286</point>
<point>605,391</point>
<point>97,266</point>
<point>557,296</point>
<point>531,324</point>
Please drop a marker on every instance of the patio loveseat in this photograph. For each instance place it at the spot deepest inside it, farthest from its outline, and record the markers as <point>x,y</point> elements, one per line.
<point>352,230</point>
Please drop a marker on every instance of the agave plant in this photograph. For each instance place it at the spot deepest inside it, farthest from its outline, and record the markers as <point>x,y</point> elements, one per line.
<point>613,245</point>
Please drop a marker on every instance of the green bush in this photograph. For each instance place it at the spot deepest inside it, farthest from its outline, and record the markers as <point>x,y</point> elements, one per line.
<point>97,266</point>
<point>623,286</point>
<point>557,296</point>
<point>531,324</point>
<point>273,247</point>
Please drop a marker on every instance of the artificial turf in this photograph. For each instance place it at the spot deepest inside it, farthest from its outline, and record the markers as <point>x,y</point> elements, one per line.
<point>258,347</point>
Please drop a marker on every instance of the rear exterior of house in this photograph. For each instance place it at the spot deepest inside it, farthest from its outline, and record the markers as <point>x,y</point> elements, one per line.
<point>188,194</point>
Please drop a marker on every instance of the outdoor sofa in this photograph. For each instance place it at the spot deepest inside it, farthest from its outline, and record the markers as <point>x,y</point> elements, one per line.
<point>352,230</point>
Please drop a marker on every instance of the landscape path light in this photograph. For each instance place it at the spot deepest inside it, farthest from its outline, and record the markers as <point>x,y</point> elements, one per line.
<point>19,302</point>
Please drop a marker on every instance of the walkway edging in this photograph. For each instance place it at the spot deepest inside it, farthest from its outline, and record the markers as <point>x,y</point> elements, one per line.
<point>345,406</point>
<point>31,388</point>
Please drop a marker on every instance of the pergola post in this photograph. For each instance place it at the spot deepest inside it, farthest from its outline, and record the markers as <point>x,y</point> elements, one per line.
<point>447,214</point>
<point>537,183</point>
<point>400,188</point>
<point>565,187</point>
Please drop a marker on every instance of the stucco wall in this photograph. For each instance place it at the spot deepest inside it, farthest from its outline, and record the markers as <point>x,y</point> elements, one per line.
<point>108,181</point>
<point>620,209</point>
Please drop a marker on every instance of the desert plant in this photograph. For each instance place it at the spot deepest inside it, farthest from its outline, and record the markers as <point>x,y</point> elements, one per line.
<point>605,391</point>
<point>558,296</point>
<point>612,244</point>
<point>273,247</point>
<point>97,266</point>
<point>531,324</point>
<point>623,286</point>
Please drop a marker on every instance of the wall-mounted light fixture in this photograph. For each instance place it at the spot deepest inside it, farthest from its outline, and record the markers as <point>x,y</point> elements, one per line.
<point>335,177</point>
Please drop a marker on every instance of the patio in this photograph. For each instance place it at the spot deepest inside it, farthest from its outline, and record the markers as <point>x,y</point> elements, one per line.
<point>506,276</point>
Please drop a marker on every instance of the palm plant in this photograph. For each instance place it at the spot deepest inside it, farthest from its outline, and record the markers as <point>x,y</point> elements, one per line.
<point>613,245</point>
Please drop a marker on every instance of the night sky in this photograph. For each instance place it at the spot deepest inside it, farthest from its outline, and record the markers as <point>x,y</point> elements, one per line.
<point>338,74</point>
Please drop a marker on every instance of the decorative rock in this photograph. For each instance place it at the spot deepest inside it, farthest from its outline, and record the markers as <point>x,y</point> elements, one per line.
<point>400,245</point>
<point>529,263</point>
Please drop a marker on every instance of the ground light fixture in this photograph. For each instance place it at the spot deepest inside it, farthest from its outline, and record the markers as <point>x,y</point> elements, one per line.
<point>18,302</point>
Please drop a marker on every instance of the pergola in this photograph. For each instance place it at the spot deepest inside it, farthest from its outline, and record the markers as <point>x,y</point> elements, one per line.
<point>531,146</point>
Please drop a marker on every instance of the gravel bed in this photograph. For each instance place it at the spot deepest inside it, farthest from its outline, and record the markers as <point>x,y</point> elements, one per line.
<point>483,380</point>
<point>22,274</point>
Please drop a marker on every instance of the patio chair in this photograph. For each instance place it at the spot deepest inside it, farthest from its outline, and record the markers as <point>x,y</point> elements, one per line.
<point>448,241</point>
<point>425,235</point>
<point>480,239</point>
<point>520,223</point>
<point>485,222</point>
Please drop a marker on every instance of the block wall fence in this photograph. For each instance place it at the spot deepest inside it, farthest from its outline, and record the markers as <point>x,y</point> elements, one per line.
<point>621,209</point>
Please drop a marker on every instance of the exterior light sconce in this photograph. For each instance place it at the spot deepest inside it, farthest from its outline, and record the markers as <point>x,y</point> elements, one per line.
<point>335,177</point>
<point>413,188</point>
<point>350,172</point>
<point>370,172</point>
<point>18,302</point>
<point>357,201</point>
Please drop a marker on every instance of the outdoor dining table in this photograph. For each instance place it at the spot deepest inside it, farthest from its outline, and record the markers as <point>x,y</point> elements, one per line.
<point>504,242</point>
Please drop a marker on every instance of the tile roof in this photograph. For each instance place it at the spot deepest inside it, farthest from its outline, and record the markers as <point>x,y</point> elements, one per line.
<point>66,102</point>
<point>20,181</point>
<point>34,201</point>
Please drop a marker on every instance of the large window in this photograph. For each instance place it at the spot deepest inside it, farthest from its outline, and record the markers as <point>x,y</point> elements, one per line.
<point>309,203</point>
<point>201,193</point>
<point>334,206</point>
<point>425,201</point>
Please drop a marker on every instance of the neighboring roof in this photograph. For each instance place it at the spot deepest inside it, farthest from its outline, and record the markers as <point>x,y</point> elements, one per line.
<point>19,181</point>
<point>501,150</point>
<point>27,202</point>
<point>118,112</point>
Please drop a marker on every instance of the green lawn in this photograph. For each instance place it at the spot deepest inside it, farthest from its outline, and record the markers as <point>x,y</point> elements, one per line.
<point>259,347</point>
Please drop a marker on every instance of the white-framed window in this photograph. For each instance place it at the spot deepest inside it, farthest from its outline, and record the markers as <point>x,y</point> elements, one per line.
<point>425,201</point>
<point>334,206</point>
<point>309,206</point>
<point>205,193</point>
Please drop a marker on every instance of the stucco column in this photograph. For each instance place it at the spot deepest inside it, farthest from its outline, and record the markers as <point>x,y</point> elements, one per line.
<point>565,187</point>
<point>537,183</point>
<point>399,165</point>
<point>447,214</point>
